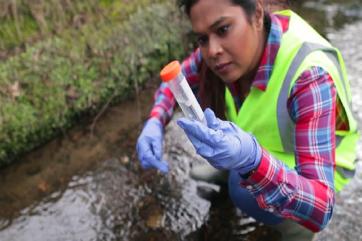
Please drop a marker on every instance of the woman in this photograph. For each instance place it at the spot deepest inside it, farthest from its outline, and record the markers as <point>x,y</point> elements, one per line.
<point>284,128</point>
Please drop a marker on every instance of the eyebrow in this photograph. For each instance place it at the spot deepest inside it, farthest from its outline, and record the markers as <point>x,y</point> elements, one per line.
<point>216,23</point>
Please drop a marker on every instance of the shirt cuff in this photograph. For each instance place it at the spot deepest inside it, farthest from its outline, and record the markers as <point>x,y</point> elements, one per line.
<point>160,114</point>
<point>262,179</point>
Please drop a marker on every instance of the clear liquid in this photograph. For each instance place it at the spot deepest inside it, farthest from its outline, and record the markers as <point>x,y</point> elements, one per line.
<point>186,99</point>
<point>190,112</point>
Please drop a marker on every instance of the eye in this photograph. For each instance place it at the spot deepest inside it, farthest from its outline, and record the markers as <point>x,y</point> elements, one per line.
<point>202,40</point>
<point>223,30</point>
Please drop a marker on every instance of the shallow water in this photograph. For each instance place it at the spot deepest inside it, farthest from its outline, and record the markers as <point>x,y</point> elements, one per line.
<point>88,185</point>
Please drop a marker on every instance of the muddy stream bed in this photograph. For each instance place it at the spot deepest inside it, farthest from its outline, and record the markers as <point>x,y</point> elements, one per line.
<point>88,185</point>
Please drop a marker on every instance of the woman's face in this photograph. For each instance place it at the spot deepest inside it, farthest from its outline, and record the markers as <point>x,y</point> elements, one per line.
<point>230,42</point>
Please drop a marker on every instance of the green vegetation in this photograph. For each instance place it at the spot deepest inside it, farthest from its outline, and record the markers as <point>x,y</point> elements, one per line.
<point>46,88</point>
<point>25,21</point>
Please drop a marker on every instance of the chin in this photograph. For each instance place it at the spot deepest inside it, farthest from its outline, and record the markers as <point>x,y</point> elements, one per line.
<point>229,79</point>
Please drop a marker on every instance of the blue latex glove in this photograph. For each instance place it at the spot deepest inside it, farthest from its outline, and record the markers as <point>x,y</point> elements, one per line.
<point>223,143</point>
<point>149,146</point>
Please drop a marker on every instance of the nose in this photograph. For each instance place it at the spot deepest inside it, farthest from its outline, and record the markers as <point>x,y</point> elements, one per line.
<point>214,48</point>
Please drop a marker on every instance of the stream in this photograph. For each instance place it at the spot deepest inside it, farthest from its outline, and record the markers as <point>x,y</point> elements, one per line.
<point>88,185</point>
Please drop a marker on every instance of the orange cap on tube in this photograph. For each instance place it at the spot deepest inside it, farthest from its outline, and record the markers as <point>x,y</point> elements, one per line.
<point>170,71</point>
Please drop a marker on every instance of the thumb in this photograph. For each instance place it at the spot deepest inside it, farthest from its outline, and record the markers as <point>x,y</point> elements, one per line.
<point>211,119</point>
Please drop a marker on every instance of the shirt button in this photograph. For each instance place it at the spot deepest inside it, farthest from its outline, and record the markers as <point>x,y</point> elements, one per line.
<point>249,187</point>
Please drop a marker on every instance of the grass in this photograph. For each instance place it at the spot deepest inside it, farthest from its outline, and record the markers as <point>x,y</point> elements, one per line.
<point>46,88</point>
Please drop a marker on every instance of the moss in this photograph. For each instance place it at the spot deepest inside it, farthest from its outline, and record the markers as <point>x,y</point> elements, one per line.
<point>62,78</point>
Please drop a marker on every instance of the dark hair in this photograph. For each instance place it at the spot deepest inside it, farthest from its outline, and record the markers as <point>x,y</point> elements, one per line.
<point>249,6</point>
<point>212,88</point>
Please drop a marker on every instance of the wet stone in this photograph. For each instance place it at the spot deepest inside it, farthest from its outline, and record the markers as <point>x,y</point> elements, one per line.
<point>112,198</point>
<point>119,201</point>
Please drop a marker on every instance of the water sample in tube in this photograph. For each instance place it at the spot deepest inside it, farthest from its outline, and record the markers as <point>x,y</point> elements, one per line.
<point>184,96</point>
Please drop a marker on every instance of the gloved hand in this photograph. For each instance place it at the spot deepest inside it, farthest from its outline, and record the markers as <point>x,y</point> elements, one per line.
<point>223,143</point>
<point>149,146</point>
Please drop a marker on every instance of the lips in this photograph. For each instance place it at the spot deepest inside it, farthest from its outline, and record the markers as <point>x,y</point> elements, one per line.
<point>222,68</point>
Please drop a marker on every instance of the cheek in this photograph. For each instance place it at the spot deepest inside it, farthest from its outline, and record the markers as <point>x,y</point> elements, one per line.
<point>244,49</point>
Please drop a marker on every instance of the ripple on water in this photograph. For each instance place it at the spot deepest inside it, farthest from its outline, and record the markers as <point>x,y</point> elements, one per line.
<point>117,202</point>
<point>113,203</point>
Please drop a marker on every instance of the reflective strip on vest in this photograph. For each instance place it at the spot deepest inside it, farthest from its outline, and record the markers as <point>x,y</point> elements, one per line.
<point>265,114</point>
<point>285,124</point>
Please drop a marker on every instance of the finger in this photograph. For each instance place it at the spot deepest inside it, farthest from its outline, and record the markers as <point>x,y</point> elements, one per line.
<point>145,164</point>
<point>196,143</point>
<point>203,149</point>
<point>157,149</point>
<point>162,165</point>
<point>211,119</point>
<point>149,160</point>
<point>200,131</point>
<point>142,147</point>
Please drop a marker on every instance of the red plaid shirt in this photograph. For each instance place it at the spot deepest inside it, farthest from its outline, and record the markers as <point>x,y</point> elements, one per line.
<point>306,193</point>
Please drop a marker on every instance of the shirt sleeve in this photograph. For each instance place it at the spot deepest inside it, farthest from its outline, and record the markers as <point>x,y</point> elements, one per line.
<point>164,101</point>
<point>306,193</point>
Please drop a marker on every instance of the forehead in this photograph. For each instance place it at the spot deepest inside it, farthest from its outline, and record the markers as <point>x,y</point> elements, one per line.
<point>205,13</point>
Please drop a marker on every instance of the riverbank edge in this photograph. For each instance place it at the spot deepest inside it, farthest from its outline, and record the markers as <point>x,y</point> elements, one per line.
<point>47,90</point>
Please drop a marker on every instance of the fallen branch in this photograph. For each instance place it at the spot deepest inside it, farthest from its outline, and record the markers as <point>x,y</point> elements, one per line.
<point>104,108</point>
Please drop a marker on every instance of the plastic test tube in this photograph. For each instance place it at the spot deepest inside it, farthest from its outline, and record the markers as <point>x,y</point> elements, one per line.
<point>172,74</point>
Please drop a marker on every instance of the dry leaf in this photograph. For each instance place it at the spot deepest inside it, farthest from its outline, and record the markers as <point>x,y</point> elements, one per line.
<point>43,186</point>
<point>14,89</point>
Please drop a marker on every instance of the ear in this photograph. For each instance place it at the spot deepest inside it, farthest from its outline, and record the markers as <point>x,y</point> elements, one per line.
<point>259,15</point>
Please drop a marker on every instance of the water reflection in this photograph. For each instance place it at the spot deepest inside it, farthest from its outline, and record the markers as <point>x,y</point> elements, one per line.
<point>113,202</point>
<point>329,15</point>
<point>88,186</point>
